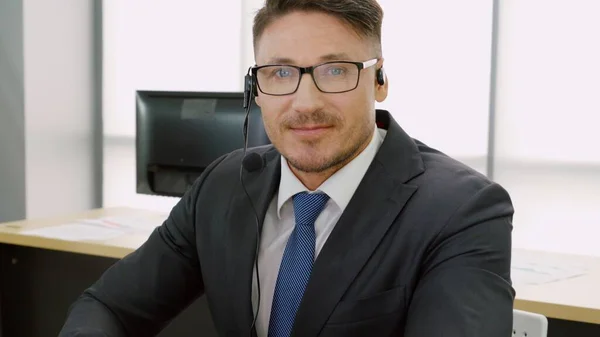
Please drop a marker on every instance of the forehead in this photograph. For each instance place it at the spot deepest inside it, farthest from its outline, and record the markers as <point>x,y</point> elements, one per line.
<point>305,38</point>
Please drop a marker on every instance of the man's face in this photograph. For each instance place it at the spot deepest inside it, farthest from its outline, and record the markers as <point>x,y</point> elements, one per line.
<point>317,131</point>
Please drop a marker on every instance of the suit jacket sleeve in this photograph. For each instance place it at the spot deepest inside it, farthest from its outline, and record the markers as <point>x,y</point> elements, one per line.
<point>465,288</point>
<point>141,293</point>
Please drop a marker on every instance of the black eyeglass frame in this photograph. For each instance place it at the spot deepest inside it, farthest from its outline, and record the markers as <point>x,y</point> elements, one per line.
<point>310,70</point>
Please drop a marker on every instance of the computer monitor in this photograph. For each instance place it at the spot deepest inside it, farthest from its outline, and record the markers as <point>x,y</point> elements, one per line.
<point>180,133</point>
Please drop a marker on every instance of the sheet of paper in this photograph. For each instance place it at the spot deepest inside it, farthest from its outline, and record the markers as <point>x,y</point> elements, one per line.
<point>130,222</point>
<point>76,232</point>
<point>529,271</point>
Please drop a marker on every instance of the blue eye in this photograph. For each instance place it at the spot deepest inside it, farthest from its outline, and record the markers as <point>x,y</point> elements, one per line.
<point>283,72</point>
<point>336,71</point>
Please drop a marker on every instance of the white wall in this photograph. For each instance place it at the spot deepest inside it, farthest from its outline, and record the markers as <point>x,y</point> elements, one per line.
<point>547,122</point>
<point>59,82</point>
<point>249,9</point>
<point>186,45</point>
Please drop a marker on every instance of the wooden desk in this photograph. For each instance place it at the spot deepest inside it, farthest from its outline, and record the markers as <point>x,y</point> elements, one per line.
<point>10,233</point>
<point>576,299</point>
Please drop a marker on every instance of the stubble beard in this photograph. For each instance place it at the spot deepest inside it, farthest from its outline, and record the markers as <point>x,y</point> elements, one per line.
<point>339,160</point>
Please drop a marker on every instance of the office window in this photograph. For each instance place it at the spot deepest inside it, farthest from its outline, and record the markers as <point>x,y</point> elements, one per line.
<point>547,117</point>
<point>438,62</point>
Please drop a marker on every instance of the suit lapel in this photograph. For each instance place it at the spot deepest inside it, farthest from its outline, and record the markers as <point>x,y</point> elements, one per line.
<point>379,199</point>
<point>261,187</point>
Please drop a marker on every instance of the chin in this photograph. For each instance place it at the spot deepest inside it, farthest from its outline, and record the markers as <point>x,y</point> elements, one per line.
<point>311,161</point>
<point>308,167</point>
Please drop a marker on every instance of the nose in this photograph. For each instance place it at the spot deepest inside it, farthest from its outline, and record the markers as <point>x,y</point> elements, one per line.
<point>307,98</point>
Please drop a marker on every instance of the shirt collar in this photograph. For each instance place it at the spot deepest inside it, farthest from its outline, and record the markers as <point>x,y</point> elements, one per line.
<point>341,185</point>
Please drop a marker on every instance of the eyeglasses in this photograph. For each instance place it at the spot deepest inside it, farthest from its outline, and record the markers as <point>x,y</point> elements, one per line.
<point>330,77</point>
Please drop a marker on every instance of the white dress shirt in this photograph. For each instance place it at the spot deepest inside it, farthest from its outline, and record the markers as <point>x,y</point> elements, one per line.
<point>279,221</point>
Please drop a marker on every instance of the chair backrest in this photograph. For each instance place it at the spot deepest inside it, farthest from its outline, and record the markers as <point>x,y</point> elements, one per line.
<point>529,324</point>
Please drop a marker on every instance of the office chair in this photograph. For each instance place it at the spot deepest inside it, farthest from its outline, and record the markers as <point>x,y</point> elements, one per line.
<point>528,324</point>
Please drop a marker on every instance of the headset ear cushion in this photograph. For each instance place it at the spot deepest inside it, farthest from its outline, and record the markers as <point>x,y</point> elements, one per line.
<point>380,76</point>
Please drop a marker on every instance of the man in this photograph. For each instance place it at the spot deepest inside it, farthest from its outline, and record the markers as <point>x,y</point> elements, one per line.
<point>363,230</point>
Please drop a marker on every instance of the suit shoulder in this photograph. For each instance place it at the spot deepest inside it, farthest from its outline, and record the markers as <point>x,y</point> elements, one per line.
<point>449,183</point>
<point>449,189</point>
<point>447,172</point>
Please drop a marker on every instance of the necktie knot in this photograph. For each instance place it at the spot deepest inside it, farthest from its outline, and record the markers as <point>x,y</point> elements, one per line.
<point>308,206</point>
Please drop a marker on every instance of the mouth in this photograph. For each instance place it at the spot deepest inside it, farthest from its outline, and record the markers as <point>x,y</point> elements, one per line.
<point>310,130</point>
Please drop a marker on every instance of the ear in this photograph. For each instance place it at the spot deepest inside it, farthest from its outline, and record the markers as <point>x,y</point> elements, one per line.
<point>381,91</point>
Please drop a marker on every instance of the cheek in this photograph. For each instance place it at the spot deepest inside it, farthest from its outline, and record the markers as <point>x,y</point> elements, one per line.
<point>272,109</point>
<point>271,122</point>
<point>353,109</point>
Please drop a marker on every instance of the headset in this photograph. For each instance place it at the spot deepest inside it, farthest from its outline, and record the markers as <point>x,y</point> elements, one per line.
<point>251,162</point>
<point>380,76</point>
<point>250,91</point>
<point>254,162</point>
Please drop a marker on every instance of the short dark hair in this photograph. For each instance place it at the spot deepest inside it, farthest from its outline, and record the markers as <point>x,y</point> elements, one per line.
<point>365,17</point>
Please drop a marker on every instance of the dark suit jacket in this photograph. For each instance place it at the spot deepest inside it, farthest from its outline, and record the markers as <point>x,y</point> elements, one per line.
<point>422,250</point>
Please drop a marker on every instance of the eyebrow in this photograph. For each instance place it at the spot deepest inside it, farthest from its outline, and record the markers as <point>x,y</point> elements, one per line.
<point>324,58</point>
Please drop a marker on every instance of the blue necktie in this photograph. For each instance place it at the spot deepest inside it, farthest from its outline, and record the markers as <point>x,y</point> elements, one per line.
<point>296,263</point>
